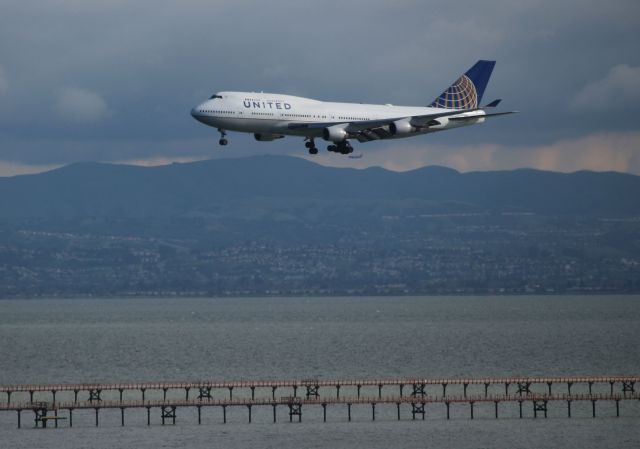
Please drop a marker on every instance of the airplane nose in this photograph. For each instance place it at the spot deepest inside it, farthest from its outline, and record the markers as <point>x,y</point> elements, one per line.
<point>197,114</point>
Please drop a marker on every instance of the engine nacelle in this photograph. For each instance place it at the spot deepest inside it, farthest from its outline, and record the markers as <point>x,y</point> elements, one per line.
<point>267,137</point>
<point>335,133</point>
<point>401,127</point>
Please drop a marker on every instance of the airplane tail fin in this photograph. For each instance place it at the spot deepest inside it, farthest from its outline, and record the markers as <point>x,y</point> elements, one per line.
<point>467,91</point>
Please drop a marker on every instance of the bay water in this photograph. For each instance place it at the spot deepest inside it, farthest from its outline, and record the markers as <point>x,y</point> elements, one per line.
<point>155,339</point>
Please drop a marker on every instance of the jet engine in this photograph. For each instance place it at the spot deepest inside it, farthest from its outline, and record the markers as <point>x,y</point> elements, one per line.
<point>335,133</point>
<point>267,137</point>
<point>401,127</point>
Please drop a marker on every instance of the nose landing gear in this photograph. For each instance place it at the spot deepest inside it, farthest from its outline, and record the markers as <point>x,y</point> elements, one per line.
<point>222,140</point>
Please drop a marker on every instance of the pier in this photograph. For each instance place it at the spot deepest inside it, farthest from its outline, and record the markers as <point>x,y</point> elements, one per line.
<point>55,404</point>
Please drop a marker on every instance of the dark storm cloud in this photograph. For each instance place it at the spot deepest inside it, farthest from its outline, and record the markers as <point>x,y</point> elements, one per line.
<point>116,80</point>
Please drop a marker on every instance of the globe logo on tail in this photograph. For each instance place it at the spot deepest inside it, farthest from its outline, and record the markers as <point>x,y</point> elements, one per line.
<point>460,95</point>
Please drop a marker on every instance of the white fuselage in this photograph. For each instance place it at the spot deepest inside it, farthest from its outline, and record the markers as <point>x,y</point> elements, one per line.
<point>273,114</point>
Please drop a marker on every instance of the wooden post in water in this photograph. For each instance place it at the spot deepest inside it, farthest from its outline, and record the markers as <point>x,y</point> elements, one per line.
<point>520,406</point>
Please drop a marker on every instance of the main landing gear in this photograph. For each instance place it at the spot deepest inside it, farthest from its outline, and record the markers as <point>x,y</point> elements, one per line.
<point>222,140</point>
<point>343,147</point>
<point>311,146</point>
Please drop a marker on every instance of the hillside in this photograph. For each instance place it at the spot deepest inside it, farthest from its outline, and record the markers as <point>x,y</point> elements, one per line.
<point>278,225</point>
<point>219,186</point>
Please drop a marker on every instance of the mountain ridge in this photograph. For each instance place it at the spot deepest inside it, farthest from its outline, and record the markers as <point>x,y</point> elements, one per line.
<point>124,191</point>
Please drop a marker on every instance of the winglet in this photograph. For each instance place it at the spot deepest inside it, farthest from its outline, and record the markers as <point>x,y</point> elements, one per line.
<point>467,91</point>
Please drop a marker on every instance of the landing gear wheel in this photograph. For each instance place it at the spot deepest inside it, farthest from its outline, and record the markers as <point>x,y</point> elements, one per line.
<point>344,148</point>
<point>308,144</point>
<point>313,150</point>
<point>222,140</point>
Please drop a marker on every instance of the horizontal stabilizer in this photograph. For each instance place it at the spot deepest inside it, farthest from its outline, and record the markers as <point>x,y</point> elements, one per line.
<point>494,103</point>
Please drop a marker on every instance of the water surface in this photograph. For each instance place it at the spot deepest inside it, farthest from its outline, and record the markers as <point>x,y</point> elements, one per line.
<point>129,340</point>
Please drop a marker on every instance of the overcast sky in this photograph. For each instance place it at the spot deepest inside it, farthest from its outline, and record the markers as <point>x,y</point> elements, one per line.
<point>115,80</point>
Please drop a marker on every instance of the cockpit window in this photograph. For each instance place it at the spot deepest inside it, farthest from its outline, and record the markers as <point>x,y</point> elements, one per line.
<point>215,96</point>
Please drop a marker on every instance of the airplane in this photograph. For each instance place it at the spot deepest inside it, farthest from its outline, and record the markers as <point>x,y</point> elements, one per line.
<point>274,116</point>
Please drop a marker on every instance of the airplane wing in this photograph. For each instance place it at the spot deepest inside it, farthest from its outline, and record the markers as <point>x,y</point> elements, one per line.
<point>367,130</point>
<point>416,120</point>
<point>470,117</point>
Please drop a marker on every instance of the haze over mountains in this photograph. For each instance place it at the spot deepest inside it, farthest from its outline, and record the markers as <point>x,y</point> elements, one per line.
<point>282,225</point>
